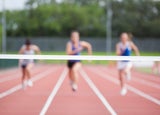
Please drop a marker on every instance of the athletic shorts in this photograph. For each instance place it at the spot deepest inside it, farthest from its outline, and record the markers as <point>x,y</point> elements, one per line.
<point>70,64</point>
<point>124,64</point>
<point>24,66</point>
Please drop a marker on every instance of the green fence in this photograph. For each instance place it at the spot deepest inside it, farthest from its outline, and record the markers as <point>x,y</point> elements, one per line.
<point>7,63</point>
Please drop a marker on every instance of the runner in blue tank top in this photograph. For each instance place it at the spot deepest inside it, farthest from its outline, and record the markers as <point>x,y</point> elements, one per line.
<point>124,48</point>
<point>74,47</point>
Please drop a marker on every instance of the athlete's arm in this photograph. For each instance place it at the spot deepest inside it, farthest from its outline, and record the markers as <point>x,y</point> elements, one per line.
<point>21,51</point>
<point>135,48</point>
<point>118,51</point>
<point>88,46</point>
<point>36,49</point>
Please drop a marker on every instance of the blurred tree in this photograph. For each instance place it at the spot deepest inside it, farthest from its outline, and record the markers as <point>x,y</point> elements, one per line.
<point>52,18</point>
<point>137,16</point>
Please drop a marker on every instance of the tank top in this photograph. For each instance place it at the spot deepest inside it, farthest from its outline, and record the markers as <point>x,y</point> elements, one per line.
<point>73,49</point>
<point>28,52</point>
<point>126,50</point>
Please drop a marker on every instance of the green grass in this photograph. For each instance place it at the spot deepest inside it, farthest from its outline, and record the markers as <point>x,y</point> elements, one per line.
<point>102,53</point>
<point>144,70</point>
<point>84,61</point>
<point>147,70</point>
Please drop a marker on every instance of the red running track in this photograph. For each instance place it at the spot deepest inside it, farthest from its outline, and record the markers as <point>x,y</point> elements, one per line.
<point>98,93</point>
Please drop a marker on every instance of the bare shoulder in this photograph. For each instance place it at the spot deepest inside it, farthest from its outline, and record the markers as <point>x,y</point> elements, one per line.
<point>23,47</point>
<point>34,47</point>
<point>118,44</point>
<point>84,42</point>
<point>132,44</point>
<point>68,43</point>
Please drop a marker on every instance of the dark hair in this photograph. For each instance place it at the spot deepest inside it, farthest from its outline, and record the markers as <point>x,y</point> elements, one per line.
<point>130,35</point>
<point>74,31</point>
<point>28,42</point>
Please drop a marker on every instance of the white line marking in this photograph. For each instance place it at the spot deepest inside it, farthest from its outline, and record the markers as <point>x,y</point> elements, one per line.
<point>154,85</point>
<point>134,90</point>
<point>98,93</point>
<point>54,92</point>
<point>9,78</point>
<point>146,82</point>
<point>18,87</point>
<point>140,93</point>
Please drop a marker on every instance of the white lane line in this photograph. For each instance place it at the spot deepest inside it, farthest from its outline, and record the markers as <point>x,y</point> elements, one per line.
<point>132,89</point>
<point>9,78</point>
<point>154,85</point>
<point>97,92</point>
<point>145,82</point>
<point>54,92</point>
<point>140,93</point>
<point>18,87</point>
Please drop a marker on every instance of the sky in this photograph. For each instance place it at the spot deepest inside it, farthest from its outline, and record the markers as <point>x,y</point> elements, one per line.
<point>15,4</point>
<point>12,4</point>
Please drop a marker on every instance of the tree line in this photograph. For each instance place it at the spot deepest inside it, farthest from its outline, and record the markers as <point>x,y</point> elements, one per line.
<point>52,18</point>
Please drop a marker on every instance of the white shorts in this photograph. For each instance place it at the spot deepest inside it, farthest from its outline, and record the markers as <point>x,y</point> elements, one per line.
<point>123,65</point>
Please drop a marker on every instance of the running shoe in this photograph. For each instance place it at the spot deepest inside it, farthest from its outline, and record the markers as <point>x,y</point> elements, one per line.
<point>24,84</point>
<point>123,91</point>
<point>74,87</point>
<point>30,83</point>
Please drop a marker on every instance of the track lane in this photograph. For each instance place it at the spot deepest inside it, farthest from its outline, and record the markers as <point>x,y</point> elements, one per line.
<point>129,104</point>
<point>17,80</point>
<point>66,102</point>
<point>145,85</point>
<point>31,100</point>
<point>82,102</point>
<point>15,74</point>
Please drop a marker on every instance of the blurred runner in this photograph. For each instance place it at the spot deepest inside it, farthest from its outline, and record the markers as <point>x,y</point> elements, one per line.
<point>156,67</point>
<point>74,47</point>
<point>124,48</point>
<point>27,64</point>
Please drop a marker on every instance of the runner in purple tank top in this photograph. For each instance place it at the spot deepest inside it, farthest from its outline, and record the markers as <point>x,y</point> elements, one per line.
<point>74,47</point>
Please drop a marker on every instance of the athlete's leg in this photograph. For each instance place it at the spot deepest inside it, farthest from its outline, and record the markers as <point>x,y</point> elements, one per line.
<point>23,74</point>
<point>69,73</point>
<point>121,78</point>
<point>28,69</point>
<point>75,75</point>
<point>128,70</point>
<point>122,82</point>
<point>75,70</point>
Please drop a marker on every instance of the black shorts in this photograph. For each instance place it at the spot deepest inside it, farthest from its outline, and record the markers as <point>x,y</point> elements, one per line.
<point>71,64</point>
<point>24,66</point>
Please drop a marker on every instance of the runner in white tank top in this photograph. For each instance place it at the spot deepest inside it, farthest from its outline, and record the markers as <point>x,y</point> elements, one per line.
<point>27,64</point>
<point>124,48</point>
